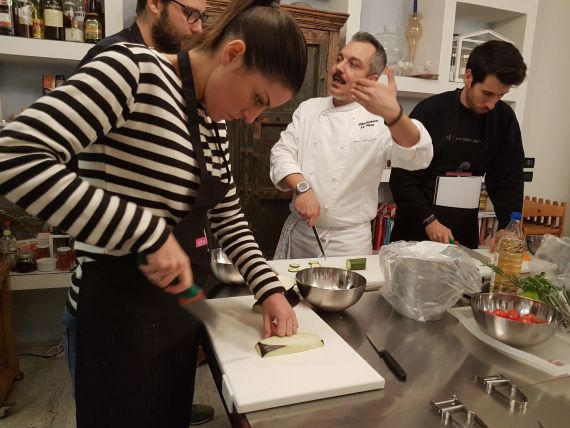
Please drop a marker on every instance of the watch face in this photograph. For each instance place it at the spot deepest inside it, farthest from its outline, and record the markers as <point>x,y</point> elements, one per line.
<point>303,186</point>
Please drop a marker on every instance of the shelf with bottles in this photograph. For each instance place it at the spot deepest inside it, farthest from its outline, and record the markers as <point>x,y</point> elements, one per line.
<point>18,49</point>
<point>441,20</point>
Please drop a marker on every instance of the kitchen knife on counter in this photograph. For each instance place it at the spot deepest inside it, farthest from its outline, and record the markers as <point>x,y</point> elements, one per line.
<point>389,360</point>
<point>192,300</point>
<point>316,232</point>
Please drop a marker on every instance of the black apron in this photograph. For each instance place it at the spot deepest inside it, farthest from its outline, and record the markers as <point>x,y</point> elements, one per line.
<point>462,222</point>
<point>136,347</point>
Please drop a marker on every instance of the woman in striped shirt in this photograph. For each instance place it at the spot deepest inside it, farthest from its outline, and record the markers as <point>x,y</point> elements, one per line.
<point>151,131</point>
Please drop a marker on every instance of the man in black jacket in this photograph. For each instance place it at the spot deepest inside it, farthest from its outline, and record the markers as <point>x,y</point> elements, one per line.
<point>164,25</point>
<point>472,130</point>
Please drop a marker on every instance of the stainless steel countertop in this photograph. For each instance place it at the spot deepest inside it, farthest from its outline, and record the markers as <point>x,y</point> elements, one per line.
<point>440,358</point>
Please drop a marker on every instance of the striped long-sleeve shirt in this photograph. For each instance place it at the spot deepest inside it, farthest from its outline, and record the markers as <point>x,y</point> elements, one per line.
<point>124,111</point>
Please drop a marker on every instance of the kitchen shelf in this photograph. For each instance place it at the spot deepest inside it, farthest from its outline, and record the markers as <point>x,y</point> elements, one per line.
<point>22,50</point>
<point>39,280</point>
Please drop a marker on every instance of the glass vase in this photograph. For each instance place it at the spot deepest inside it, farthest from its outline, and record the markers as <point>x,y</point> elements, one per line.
<point>413,34</point>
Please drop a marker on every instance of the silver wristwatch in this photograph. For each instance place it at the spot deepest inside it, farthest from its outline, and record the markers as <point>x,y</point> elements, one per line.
<point>302,187</point>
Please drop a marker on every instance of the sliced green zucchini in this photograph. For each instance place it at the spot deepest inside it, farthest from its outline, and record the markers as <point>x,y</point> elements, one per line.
<point>294,265</point>
<point>300,342</point>
<point>293,269</point>
<point>356,264</point>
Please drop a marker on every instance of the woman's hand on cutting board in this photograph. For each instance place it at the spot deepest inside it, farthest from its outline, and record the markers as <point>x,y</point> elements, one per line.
<point>279,318</point>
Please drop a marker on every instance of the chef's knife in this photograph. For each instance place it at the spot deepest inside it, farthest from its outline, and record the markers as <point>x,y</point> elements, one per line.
<point>316,232</point>
<point>191,300</point>
<point>474,254</point>
<point>389,360</point>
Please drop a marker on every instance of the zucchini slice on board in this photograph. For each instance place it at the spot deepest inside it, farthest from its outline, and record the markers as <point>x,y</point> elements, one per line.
<point>294,265</point>
<point>300,342</point>
<point>356,264</point>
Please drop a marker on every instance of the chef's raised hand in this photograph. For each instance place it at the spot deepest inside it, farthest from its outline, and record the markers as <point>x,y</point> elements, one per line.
<point>437,232</point>
<point>378,98</point>
<point>308,207</point>
<point>279,318</point>
<point>166,264</point>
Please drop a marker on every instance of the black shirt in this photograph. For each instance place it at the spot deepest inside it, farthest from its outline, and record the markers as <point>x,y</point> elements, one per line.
<point>492,145</point>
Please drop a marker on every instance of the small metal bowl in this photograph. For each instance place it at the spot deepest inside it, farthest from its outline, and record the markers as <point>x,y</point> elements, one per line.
<point>514,333</point>
<point>533,243</point>
<point>330,289</point>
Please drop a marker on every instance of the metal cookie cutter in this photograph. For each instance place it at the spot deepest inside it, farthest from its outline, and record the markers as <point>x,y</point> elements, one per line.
<point>503,388</point>
<point>454,414</point>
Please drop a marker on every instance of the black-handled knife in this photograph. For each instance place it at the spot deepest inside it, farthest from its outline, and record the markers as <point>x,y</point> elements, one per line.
<point>390,361</point>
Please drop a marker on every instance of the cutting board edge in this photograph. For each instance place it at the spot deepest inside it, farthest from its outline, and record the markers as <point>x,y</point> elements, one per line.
<point>246,408</point>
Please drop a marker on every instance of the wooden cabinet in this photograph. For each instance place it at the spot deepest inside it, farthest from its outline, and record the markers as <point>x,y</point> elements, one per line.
<point>8,360</point>
<point>265,207</point>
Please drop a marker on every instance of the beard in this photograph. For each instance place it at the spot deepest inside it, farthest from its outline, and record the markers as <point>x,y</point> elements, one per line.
<point>165,41</point>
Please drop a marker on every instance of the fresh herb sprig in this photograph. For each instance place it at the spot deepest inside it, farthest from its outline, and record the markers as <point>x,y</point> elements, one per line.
<point>546,291</point>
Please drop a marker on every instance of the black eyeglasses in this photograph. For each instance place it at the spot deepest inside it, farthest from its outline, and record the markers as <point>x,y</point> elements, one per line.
<point>191,14</point>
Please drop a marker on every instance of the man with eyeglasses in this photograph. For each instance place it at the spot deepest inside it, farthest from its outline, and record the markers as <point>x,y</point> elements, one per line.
<point>163,25</point>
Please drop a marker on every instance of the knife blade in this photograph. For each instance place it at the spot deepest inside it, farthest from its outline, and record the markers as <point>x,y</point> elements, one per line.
<point>389,360</point>
<point>474,254</point>
<point>316,232</point>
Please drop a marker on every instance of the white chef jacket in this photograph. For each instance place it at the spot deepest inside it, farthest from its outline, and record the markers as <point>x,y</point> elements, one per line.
<point>342,152</point>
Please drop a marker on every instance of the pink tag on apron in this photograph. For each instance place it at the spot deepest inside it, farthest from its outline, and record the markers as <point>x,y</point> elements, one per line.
<point>201,242</point>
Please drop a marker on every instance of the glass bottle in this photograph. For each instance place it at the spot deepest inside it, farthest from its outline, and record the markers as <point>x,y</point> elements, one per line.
<point>68,12</point>
<point>510,253</point>
<point>38,29</point>
<point>53,20</point>
<point>93,26</point>
<point>8,243</point>
<point>25,23</point>
<point>6,18</point>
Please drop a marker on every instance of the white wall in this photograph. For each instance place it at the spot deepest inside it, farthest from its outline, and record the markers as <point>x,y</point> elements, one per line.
<point>545,129</point>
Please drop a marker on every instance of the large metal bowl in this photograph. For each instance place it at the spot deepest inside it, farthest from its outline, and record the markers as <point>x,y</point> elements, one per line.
<point>330,289</point>
<point>514,333</point>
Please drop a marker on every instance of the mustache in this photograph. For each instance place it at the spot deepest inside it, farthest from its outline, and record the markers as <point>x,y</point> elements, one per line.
<point>338,76</point>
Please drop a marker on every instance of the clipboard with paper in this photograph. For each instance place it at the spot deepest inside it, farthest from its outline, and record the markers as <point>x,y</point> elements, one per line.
<point>458,192</point>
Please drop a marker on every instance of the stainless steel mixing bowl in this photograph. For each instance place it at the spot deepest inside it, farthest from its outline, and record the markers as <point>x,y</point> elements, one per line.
<point>533,243</point>
<point>330,289</point>
<point>514,333</point>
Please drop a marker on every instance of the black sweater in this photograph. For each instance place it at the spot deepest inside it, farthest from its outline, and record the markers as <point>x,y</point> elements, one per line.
<point>502,163</point>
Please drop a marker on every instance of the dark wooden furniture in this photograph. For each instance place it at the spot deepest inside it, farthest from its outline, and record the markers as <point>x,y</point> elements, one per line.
<point>265,207</point>
<point>8,361</point>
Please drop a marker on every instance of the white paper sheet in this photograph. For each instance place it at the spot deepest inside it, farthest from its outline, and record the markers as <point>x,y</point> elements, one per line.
<point>458,192</point>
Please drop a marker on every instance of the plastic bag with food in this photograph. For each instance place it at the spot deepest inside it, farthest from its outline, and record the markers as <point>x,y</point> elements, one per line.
<point>424,279</point>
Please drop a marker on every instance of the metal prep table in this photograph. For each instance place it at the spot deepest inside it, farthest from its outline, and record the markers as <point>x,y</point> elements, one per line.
<point>440,358</point>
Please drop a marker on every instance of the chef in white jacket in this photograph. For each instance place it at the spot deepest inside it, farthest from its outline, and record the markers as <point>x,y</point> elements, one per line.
<point>333,152</point>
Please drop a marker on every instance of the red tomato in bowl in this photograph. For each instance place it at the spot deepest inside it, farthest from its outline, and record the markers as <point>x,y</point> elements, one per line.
<point>499,313</point>
<point>513,315</point>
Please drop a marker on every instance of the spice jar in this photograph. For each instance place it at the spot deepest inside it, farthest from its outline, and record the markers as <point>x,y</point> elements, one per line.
<point>42,251</point>
<point>64,258</point>
<point>25,263</point>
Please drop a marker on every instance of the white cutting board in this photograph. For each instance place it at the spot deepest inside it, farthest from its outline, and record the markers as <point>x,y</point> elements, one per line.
<point>251,383</point>
<point>372,273</point>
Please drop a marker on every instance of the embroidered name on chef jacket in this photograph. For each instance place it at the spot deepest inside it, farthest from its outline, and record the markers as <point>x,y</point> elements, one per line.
<point>368,123</point>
